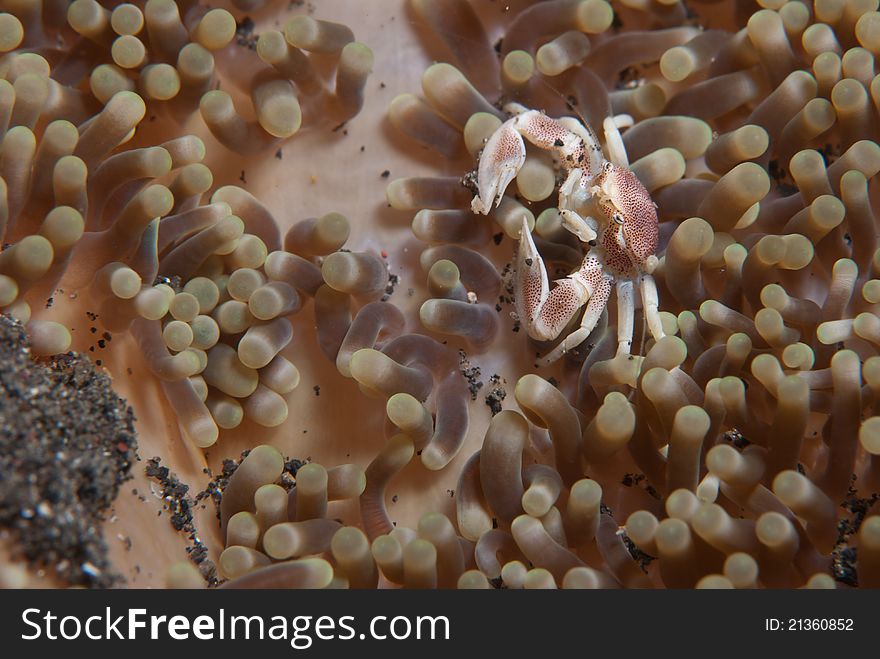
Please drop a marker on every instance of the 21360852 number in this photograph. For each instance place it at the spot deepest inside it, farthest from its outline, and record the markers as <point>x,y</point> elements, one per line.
<point>820,624</point>
<point>808,624</point>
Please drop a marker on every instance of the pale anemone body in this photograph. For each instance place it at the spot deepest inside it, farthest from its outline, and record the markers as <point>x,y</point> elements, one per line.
<point>767,262</point>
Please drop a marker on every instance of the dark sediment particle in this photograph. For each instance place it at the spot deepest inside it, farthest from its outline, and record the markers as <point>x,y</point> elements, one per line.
<point>180,506</point>
<point>470,373</point>
<point>244,33</point>
<point>493,400</point>
<point>67,443</point>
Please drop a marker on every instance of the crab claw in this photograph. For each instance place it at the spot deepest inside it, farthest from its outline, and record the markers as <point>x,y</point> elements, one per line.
<point>502,157</point>
<point>544,312</point>
<point>584,228</point>
<point>531,287</point>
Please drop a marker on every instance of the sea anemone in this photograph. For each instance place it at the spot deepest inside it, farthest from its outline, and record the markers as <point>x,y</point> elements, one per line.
<point>329,354</point>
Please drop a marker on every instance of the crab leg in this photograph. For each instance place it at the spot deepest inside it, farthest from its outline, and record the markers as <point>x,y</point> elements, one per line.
<point>651,304</point>
<point>626,312</point>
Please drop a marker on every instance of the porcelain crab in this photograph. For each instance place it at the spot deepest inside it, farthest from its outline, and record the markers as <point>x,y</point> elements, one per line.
<point>602,203</point>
